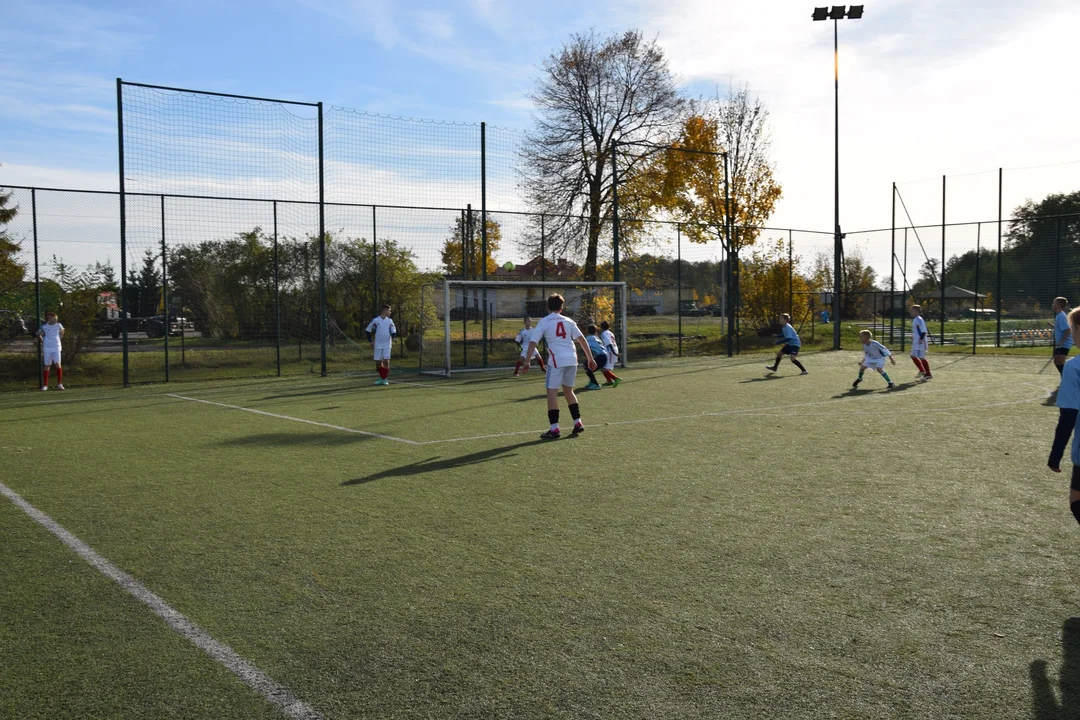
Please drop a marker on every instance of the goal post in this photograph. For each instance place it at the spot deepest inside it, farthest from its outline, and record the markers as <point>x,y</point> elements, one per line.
<point>478,320</point>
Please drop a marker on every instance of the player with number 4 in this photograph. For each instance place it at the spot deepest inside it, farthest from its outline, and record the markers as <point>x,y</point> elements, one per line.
<point>561,333</point>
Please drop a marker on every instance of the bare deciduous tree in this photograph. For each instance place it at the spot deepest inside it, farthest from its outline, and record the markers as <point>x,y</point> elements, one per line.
<point>595,91</point>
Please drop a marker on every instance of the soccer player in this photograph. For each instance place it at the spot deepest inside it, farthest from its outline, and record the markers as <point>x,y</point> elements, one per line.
<point>920,339</point>
<point>599,356</point>
<point>1063,337</point>
<point>611,350</point>
<point>560,333</point>
<point>1068,403</point>
<point>791,342</point>
<point>381,333</point>
<point>49,336</point>
<point>874,354</point>
<point>522,341</point>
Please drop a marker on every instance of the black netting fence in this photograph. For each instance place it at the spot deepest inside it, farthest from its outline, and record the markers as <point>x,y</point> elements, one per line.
<point>259,237</point>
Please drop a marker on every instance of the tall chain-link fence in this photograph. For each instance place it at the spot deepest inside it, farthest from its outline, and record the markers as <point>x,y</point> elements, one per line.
<point>256,237</point>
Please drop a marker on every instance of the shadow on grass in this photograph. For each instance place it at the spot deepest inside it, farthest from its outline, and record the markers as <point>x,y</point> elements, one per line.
<point>1051,399</point>
<point>435,464</point>
<point>1045,704</point>
<point>329,439</point>
<point>767,378</point>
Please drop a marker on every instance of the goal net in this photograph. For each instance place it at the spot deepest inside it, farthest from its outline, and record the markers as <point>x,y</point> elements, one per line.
<point>472,324</point>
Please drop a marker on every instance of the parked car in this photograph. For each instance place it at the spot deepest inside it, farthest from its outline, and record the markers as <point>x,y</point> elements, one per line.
<point>690,308</point>
<point>641,310</point>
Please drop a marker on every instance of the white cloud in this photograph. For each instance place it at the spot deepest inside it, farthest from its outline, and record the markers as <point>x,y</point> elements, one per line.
<point>56,177</point>
<point>952,86</point>
<point>437,25</point>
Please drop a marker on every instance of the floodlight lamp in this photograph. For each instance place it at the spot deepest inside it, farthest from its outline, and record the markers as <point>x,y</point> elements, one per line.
<point>837,12</point>
<point>855,12</point>
<point>821,13</point>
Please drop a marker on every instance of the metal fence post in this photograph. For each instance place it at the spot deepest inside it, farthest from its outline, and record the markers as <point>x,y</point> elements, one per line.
<point>892,269</point>
<point>37,276</point>
<point>322,250</point>
<point>678,282</point>
<point>375,259</point>
<point>978,262</point>
<point>1001,177</point>
<point>942,333</point>
<point>123,232</point>
<point>483,231</point>
<point>165,286</point>
<point>277,296</point>
<point>730,275</point>
<point>466,261</point>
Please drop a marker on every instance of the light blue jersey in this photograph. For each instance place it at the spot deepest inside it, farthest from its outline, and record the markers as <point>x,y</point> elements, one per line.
<point>790,336</point>
<point>595,345</point>
<point>1068,397</point>
<point>1061,324</point>
<point>875,351</point>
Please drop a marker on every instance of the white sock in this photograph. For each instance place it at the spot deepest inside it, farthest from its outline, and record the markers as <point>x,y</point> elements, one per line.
<point>555,427</point>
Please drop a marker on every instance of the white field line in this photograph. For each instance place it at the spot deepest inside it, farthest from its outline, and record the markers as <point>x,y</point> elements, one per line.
<point>760,411</point>
<point>278,696</point>
<point>296,419</point>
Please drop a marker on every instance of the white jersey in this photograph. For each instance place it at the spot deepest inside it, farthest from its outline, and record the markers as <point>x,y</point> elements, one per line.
<point>50,336</point>
<point>522,340</point>
<point>608,339</point>
<point>560,332</point>
<point>383,330</point>
<point>875,352</point>
<point>920,336</point>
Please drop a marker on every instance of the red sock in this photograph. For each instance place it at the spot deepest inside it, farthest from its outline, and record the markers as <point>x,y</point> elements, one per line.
<point>517,366</point>
<point>384,372</point>
<point>45,378</point>
<point>925,366</point>
<point>607,374</point>
<point>59,375</point>
<point>918,363</point>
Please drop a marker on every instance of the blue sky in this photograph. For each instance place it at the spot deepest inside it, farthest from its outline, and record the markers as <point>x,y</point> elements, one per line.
<point>931,87</point>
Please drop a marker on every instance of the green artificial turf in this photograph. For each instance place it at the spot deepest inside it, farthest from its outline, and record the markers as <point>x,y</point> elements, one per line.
<point>721,542</point>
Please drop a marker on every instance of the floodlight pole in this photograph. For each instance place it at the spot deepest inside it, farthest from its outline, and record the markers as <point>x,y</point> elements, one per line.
<point>838,239</point>
<point>837,13</point>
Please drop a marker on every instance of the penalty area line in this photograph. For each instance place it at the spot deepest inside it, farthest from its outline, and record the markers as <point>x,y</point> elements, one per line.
<point>296,419</point>
<point>278,696</point>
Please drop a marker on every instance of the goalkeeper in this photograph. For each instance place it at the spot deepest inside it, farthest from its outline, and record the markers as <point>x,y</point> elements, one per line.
<point>791,342</point>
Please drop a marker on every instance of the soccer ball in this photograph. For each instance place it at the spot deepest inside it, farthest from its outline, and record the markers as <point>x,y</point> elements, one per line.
<point>508,266</point>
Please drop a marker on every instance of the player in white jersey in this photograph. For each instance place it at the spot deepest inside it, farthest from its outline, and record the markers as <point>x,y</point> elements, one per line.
<point>611,350</point>
<point>522,340</point>
<point>49,336</point>
<point>381,333</point>
<point>874,354</point>
<point>561,333</point>
<point>920,339</point>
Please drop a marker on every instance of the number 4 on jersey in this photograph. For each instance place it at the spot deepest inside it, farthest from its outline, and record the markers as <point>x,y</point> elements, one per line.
<point>560,331</point>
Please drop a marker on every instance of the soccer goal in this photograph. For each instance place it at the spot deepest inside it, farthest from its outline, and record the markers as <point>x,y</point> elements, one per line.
<point>472,325</point>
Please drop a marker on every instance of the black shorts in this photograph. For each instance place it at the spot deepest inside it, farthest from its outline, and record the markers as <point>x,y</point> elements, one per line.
<point>1061,351</point>
<point>790,350</point>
